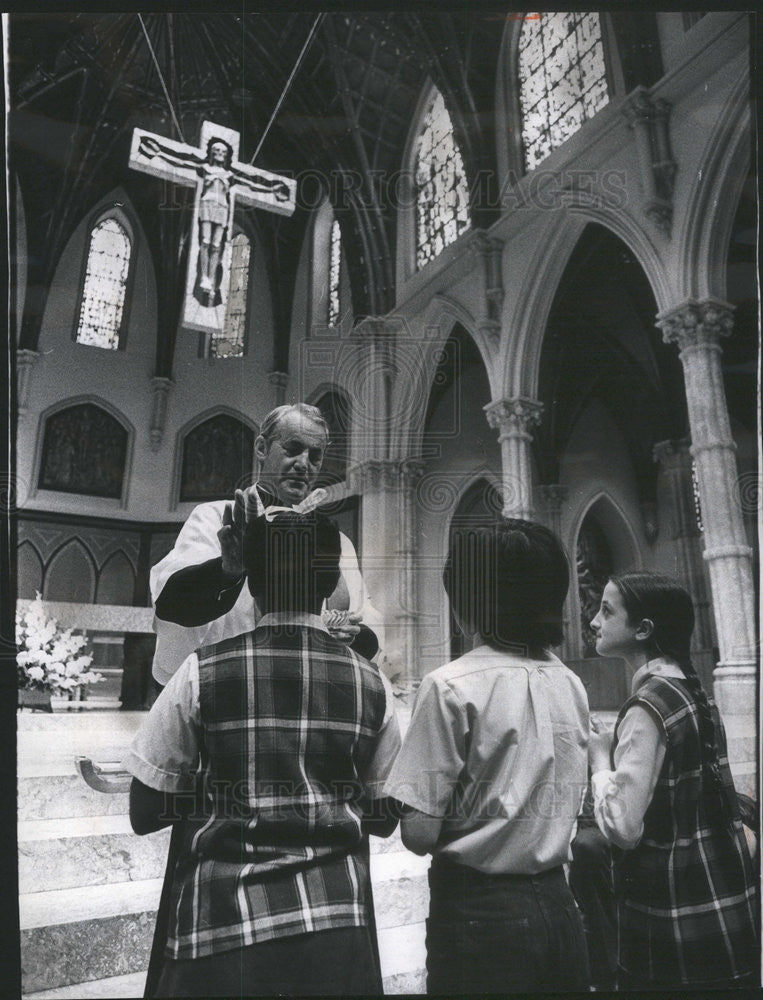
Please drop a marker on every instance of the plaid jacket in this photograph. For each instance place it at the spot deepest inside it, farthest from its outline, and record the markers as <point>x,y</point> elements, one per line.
<point>289,718</point>
<point>686,893</point>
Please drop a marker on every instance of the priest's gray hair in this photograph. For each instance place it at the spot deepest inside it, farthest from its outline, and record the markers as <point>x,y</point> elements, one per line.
<point>274,418</point>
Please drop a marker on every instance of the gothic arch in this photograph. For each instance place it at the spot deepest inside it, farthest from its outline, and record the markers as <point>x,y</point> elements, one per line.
<point>405,186</point>
<point>508,124</point>
<point>336,460</point>
<point>723,166</point>
<point>70,559</point>
<point>193,424</point>
<point>524,332</point>
<point>116,205</point>
<point>477,501</point>
<point>101,404</point>
<point>29,571</point>
<point>116,579</point>
<point>622,543</point>
<point>438,322</point>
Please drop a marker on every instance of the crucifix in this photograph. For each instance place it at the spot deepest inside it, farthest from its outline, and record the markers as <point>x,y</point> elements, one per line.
<point>221,181</point>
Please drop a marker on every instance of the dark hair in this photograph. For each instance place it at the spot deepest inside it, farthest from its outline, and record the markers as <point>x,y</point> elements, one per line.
<point>669,607</point>
<point>508,580</point>
<point>292,560</point>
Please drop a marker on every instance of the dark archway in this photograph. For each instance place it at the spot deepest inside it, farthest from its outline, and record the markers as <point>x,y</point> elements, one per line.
<point>601,343</point>
<point>479,506</point>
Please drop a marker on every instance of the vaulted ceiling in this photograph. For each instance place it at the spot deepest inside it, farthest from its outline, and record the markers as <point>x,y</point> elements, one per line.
<point>80,83</point>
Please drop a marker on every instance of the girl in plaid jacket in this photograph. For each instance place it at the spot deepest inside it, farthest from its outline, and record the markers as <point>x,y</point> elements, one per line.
<point>665,798</point>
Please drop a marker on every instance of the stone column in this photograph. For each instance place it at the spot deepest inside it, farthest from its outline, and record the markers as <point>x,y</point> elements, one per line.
<point>488,251</point>
<point>674,460</point>
<point>513,419</point>
<point>697,328</point>
<point>25,362</point>
<point>648,120</point>
<point>279,381</point>
<point>552,496</point>
<point>402,637</point>
<point>160,388</point>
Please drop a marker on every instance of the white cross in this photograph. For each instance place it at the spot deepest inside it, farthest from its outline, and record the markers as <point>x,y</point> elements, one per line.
<point>221,181</point>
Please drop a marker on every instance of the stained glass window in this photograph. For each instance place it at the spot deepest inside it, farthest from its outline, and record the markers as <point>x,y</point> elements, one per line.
<point>335,261</point>
<point>218,458</point>
<point>562,80</point>
<point>103,295</point>
<point>442,194</point>
<point>229,343</point>
<point>84,451</point>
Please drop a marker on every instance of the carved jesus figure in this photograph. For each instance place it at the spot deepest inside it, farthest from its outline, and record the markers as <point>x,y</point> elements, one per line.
<point>217,174</point>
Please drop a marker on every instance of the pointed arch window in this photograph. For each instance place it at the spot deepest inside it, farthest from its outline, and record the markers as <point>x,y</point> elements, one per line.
<point>335,264</point>
<point>230,341</point>
<point>105,286</point>
<point>562,79</point>
<point>442,194</point>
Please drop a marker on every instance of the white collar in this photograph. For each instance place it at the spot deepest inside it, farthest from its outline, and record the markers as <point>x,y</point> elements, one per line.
<point>300,619</point>
<point>660,666</point>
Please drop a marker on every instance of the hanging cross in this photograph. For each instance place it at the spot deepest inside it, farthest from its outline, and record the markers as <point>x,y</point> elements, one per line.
<point>221,181</point>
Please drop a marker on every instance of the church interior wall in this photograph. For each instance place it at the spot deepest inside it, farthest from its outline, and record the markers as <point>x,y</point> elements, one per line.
<point>596,462</point>
<point>464,448</point>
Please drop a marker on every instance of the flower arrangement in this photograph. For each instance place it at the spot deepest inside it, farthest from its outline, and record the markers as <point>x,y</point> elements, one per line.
<point>49,658</point>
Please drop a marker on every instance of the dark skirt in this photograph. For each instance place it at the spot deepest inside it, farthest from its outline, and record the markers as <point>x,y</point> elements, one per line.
<point>502,933</point>
<point>324,963</point>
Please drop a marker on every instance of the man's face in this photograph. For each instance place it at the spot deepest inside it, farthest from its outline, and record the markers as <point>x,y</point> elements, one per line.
<point>292,461</point>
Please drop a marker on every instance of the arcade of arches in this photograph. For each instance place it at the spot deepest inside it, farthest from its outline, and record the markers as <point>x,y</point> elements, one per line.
<point>578,344</point>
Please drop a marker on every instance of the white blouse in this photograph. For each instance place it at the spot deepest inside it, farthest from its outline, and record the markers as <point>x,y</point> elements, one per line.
<point>621,797</point>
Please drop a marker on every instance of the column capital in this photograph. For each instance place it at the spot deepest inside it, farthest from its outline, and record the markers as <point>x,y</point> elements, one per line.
<point>513,417</point>
<point>553,496</point>
<point>374,474</point>
<point>412,470</point>
<point>637,106</point>
<point>696,324</point>
<point>671,453</point>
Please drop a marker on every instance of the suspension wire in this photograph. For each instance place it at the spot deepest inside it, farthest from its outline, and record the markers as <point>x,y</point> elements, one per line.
<point>161,79</point>
<point>297,64</point>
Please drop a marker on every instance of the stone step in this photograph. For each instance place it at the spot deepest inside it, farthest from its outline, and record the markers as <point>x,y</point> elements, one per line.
<point>80,934</point>
<point>126,723</point>
<point>129,986</point>
<point>132,986</point>
<point>93,850</point>
<point>87,850</point>
<point>61,796</point>
<point>85,934</point>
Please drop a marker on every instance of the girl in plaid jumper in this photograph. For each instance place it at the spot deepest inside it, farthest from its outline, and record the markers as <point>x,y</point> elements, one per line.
<point>665,798</point>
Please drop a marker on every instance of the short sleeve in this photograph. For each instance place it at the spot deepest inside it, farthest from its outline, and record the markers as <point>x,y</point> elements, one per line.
<point>431,759</point>
<point>386,749</point>
<point>165,751</point>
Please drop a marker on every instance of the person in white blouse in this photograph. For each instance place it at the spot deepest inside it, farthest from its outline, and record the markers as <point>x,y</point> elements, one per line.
<point>665,799</point>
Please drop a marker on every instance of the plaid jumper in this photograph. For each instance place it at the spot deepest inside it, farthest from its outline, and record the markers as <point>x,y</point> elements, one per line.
<point>289,718</point>
<point>687,892</point>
